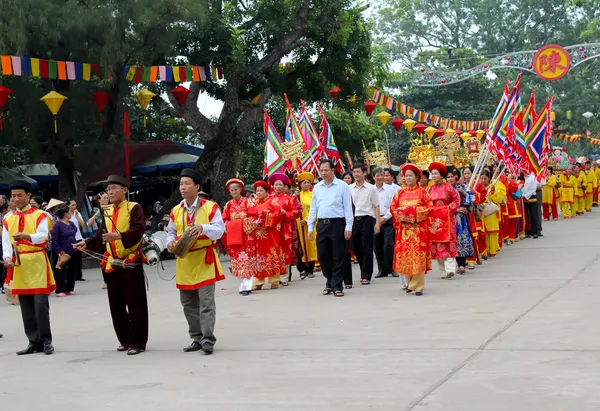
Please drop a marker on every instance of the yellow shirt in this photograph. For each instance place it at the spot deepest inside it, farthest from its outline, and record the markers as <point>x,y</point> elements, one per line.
<point>309,248</point>
<point>592,182</point>
<point>567,189</point>
<point>581,181</point>
<point>491,222</point>
<point>548,193</point>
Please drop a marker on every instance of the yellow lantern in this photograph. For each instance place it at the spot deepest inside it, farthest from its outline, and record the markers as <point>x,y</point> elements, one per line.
<point>553,116</point>
<point>465,135</point>
<point>430,131</point>
<point>450,131</point>
<point>383,117</point>
<point>480,133</point>
<point>54,101</point>
<point>409,123</point>
<point>143,97</point>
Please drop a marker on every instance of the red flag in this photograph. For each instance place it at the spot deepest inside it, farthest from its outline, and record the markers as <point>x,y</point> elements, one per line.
<point>127,135</point>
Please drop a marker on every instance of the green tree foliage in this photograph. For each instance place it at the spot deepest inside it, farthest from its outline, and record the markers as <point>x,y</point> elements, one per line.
<point>110,33</point>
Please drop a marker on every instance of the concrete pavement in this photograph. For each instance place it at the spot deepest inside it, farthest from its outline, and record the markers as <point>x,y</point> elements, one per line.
<point>520,333</point>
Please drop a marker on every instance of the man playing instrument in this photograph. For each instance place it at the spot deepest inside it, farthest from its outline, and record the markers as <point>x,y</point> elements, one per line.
<point>26,229</point>
<point>121,236</point>
<point>198,222</point>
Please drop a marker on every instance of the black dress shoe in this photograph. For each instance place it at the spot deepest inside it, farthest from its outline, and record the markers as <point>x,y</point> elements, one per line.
<point>535,237</point>
<point>1,335</point>
<point>195,346</point>
<point>31,349</point>
<point>245,293</point>
<point>419,293</point>
<point>395,275</point>
<point>380,275</point>
<point>208,348</point>
<point>48,349</point>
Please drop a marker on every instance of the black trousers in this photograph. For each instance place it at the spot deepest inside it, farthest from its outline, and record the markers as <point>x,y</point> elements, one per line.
<point>78,266</point>
<point>538,195</point>
<point>308,268</point>
<point>129,305</point>
<point>533,212</point>
<point>348,269</point>
<point>461,261</point>
<point>384,248</point>
<point>65,277</point>
<point>331,249</point>
<point>363,235</point>
<point>35,311</point>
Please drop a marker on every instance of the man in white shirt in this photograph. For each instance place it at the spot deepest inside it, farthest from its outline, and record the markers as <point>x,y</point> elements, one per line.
<point>366,221</point>
<point>384,241</point>
<point>78,222</point>
<point>388,178</point>
<point>531,205</point>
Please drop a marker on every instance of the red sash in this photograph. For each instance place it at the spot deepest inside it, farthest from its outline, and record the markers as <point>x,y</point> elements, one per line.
<point>439,224</point>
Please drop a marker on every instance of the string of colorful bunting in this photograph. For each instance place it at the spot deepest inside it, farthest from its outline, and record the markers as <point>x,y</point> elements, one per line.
<point>418,115</point>
<point>69,70</point>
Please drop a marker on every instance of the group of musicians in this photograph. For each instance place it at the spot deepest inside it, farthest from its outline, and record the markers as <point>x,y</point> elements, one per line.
<point>25,237</point>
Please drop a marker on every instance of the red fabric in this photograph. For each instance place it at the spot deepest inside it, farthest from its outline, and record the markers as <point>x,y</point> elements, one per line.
<point>550,210</point>
<point>235,233</point>
<point>443,195</point>
<point>44,68</point>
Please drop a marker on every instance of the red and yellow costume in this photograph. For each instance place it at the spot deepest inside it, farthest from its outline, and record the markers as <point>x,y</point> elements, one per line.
<point>596,170</point>
<point>549,198</point>
<point>513,210</point>
<point>34,274</point>
<point>200,266</point>
<point>591,185</point>
<point>567,194</point>
<point>243,261</point>
<point>291,209</point>
<point>442,228</point>
<point>492,221</point>
<point>410,209</point>
<point>580,192</point>
<point>269,257</point>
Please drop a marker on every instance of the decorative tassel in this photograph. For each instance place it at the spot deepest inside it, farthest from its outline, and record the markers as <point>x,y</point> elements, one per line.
<point>144,121</point>
<point>55,126</point>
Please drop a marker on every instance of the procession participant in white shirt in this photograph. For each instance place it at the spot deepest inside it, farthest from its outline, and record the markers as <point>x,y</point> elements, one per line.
<point>366,221</point>
<point>197,272</point>
<point>26,229</point>
<point>78,222</point>
<point>332,207</point>
<point>388,178</point>
<point>384,241</point>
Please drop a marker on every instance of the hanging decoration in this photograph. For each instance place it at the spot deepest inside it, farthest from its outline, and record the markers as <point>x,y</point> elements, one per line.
<point>419,128</point>
<point>439,132</point>
<point>418,115</point>
<point>4,93</point>
<point>335,92</point>
<point>369,107</point>
<point>181,94</point>
<point>143,97</point>
<point>383,117</point>
<point>54,101</point>
<point>101,99</point>
<point>430,131</point>
<point>75,71</point>
<point>409,123</point>
<point>551,62</point>
<point>397,123</point>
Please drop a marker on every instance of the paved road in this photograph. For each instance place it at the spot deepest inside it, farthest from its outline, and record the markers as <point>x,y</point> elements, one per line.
<point>520,333</point>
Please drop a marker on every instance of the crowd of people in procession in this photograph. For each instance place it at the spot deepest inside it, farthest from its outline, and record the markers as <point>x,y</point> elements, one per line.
<point>313,223</point>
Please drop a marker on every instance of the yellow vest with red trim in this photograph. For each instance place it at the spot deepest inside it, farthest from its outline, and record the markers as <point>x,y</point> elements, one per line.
<point>201,265</point>
<point>34,275</point>
<point>121,217</point>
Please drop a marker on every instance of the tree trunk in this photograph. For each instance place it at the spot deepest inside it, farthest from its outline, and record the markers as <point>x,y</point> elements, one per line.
<point>66,184</point>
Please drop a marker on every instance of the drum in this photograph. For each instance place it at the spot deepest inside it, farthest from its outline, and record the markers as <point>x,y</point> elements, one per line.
<point>184,244</point>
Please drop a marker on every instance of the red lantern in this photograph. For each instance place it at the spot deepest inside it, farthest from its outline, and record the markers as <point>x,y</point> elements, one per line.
<point>397,123</point>
<point>369,107</point>
<point>440,132</point>
<point>101,99</point>
<point>486,130</point>
<point>181,94</point>
<point>458,132</point>
<point>335,92</point>
<point>4,93</point>
<point>419,128</point>
<point>473,133</point>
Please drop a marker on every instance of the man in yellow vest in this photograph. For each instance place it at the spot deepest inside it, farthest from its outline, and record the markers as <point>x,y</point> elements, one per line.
<point>197,272</point>
<point>591,186</point>
<point>26,229</point>
<point>579,188</point>
<point>121,237</point>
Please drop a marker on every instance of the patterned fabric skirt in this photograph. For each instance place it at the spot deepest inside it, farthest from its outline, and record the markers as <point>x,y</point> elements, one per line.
<point>464,242</point>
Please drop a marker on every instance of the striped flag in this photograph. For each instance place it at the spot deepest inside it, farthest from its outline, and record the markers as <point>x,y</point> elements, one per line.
<point>329,147</point>
<point>537,139</point>
<point>312,146</point>
<point>292,128</point>
<point>274,161</point>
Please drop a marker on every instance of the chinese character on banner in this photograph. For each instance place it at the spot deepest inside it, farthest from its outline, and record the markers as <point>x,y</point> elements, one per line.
<point>552,62</point>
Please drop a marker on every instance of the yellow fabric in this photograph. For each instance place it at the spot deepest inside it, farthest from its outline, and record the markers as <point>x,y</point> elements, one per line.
<point>121,216</point>
<point>34,275</point>
<point>597,172</point>
<point>580,203</point>
<point>309,248</point>
<point>548,194</point>
<point>581,181</point>
<point>415,282</point>
<point>491,222</point>
<point>567,189</point>
<point>273,281</point>
<point>568,210</point>
<point>589,201</point>
<point>492,244</point>
<point>195,270</point>
<point>591,181</point>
